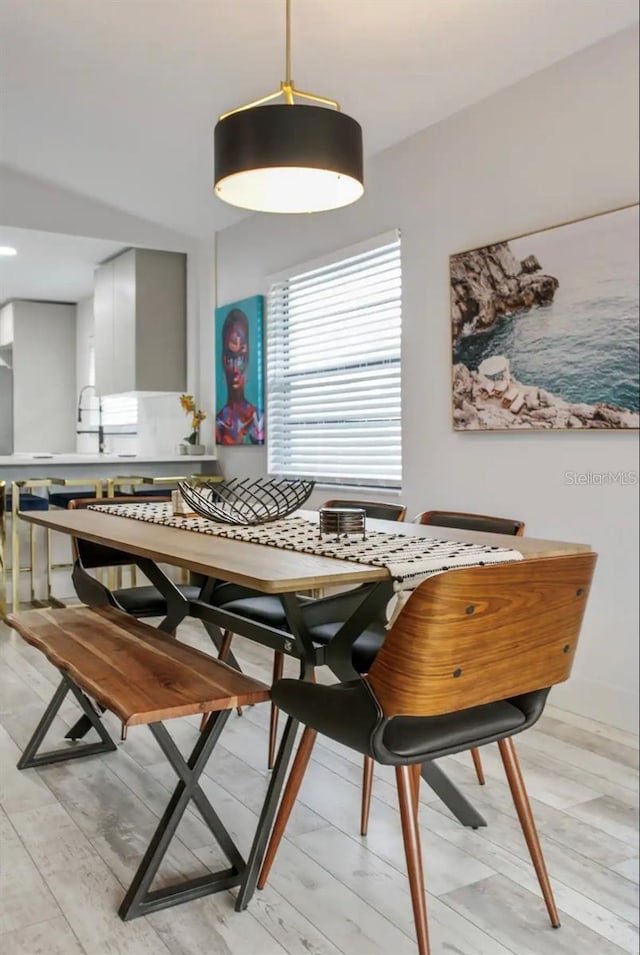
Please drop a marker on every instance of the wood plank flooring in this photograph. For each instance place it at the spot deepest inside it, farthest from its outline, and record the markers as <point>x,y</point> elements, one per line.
<point>71,837</point>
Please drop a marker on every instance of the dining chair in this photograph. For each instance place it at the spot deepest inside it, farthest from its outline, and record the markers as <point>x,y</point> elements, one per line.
<point>268,609</point>
<point>146,601</point>
<point>461,520</point>
<point>484,523</point>
<point>469,660</point>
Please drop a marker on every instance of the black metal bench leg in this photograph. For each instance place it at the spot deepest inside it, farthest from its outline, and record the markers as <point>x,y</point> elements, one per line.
<point>140,899</point>
<point>30,758</point>
<point>267,815</point>
<point>82,726</point>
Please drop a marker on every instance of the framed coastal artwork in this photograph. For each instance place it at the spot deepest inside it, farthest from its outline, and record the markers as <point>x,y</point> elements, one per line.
<point>239,372</point>
<point>545,329</point>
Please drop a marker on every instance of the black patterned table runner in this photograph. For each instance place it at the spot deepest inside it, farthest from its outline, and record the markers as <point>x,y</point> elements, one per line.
<point>409,560</point>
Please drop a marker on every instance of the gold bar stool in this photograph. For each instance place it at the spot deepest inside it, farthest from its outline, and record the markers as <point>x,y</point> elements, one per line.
<point>28,502</point>
<point>122,480</point>
<point>117,483</point>
<point>160,481</point>
<point>3,538</point>
<point>61,499</point>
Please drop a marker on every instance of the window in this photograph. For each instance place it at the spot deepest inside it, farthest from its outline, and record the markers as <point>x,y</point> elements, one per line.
<point>334,370</point>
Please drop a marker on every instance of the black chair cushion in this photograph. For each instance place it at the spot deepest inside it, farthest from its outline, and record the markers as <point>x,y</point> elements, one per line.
<point>346,712</point>
<point>412,737</point>
<point>30,502</point>
<point>263,609</point>
<point>62,498</point>
<point>147,601</point>
<point>363,651</point>
<point>268,610</point>
<point>349,714</point>
<point>153,492</point>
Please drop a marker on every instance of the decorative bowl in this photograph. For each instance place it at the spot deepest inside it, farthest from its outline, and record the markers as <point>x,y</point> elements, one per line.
<point>247,501</point>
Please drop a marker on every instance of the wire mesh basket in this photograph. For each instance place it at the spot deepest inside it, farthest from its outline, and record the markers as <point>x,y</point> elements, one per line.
<point>246,501</point>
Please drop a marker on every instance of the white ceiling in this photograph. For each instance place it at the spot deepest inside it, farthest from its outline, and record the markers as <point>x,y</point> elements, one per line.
<point>117,99</point>
<point>57,268</point>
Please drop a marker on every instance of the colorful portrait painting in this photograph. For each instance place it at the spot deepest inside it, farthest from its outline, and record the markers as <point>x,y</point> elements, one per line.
<point>239,373</point>
<point>545,329</point>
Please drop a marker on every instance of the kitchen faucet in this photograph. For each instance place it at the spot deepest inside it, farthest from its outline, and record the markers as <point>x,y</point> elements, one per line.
<point>91,430</point>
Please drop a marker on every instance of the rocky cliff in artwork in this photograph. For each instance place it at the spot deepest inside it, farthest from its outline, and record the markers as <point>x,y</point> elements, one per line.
<point>478,407</point>
<point>491,282</point>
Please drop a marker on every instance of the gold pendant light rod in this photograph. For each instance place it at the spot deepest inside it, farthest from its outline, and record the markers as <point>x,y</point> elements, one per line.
<point>287,88</point>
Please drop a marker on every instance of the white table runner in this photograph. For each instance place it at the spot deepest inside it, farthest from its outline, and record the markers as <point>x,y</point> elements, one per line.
<point>409,560</point>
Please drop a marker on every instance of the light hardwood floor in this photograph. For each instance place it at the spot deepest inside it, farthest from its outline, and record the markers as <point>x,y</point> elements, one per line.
<point>72,836</point>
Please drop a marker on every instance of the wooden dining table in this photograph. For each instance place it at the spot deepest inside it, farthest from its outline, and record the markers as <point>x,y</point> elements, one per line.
<point>287,574</point>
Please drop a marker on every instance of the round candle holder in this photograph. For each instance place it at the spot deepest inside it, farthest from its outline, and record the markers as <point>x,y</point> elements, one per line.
<point>342,521</point>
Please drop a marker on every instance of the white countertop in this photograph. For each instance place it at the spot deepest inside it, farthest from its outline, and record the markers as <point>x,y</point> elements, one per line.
<point>53,460</point>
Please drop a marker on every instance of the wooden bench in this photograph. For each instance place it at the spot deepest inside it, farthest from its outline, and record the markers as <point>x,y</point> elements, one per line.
<point>143,676</point>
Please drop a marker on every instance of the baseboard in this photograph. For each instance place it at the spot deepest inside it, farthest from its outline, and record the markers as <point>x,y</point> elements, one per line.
<point>598,701</point>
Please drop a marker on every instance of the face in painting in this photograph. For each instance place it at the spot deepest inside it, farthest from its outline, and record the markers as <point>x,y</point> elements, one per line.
<point>235,357</point>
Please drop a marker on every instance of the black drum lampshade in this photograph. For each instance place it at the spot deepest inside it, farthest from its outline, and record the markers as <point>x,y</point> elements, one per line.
<point>288,158</point>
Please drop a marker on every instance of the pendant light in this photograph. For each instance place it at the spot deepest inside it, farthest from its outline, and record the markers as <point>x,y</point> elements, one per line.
<point>288,157</point>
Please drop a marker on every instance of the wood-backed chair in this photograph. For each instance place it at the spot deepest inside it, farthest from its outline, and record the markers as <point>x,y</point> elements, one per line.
<point>460,520</point>
<point>469,660</point>
<point>463,520</point>
<point>375,510</point>
<point>268,609</point>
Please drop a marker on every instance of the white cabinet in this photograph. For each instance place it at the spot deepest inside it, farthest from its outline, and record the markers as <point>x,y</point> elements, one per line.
<point>42,337</point>
<point>140,323</point>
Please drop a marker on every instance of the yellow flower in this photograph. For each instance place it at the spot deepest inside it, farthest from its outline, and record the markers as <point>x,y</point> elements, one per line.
<point>188,404</point>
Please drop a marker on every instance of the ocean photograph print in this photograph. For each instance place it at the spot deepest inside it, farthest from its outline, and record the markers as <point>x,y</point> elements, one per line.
<point>545,329</point>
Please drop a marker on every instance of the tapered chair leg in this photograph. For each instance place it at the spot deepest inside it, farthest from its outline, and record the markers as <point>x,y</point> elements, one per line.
<point>289,797</point>
<point>525,815</point>
<point>415,781</point>
<point>411,835</point>
<point>367,784</point>
<point>278,670</point>
<point>477,762</point>
<point>223,653</point>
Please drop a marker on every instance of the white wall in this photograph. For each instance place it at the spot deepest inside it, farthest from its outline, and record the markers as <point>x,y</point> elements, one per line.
<point>558,146</point>
<point>44,376</point>
<point>30,203</point>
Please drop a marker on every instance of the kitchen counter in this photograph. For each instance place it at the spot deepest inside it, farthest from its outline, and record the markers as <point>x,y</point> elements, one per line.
<point>41,459</point>
<point>16,467</point>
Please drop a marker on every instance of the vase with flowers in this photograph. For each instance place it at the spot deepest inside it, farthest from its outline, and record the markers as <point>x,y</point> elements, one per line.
<point>197,416</point>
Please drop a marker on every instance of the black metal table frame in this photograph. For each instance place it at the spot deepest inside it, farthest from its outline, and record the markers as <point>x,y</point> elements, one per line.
<point>361,606</point>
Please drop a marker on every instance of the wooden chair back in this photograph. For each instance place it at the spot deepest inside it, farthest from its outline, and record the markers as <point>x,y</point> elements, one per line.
<point>483,634</point>
<point>376,510</point>
<point>462,520</point>
<point>91,555</point>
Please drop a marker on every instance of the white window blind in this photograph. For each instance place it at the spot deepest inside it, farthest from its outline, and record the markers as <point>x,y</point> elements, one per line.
<point>334,369</point>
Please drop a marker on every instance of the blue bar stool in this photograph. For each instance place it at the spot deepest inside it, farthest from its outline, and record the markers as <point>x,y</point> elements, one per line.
<point>21,499</point>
